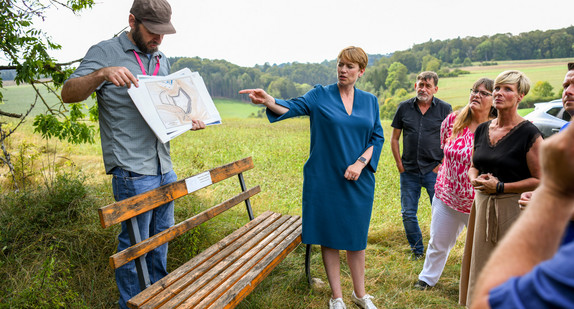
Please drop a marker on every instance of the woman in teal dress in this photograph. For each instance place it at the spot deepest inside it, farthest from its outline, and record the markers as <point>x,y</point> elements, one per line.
<point>339,181</point>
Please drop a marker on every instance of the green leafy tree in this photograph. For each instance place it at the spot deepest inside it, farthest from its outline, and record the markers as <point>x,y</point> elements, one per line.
<point>24,47</point>
<point>408,59</point>
<point>561,44</point>
<point>374,79</point>
<point>501,47</point>
<point>431,63</point>
<point>541,92</point>
<point>484,50</point>
<point>282,88</point>
<point>303,88</point>
<point>390,103</point>
<point>397,77</point>
<point>543,89</point>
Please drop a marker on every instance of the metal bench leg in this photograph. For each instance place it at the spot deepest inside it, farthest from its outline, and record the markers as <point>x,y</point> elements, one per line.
<point>247,201</point>
<point>141,265</point>
<point>308,263</point>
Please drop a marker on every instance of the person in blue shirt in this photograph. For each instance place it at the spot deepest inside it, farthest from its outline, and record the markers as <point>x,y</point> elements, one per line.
<point>339,180</point>
<point>529,268</point>
<point>568,93</point>
<point>568,103</point>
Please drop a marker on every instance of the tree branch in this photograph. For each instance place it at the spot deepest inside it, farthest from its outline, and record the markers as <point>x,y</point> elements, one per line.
<point>13,67</point>
<point>12,115</point>
<point>8,67</point>
<point>68,63</point>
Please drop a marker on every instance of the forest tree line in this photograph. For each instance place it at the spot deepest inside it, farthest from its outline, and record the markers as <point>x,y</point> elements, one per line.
<point>389,77</point>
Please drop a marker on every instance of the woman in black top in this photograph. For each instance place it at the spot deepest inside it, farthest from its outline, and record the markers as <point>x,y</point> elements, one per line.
<point>504,164</point>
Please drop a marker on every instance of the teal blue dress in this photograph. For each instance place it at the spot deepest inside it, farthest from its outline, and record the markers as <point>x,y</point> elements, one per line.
<point>336,211</point>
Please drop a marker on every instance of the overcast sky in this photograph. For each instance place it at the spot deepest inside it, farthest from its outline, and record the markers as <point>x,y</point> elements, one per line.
<point>249,32</point>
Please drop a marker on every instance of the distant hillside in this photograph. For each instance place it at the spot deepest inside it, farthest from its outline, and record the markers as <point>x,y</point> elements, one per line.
<point>287,80</point>
<point>503,46</point>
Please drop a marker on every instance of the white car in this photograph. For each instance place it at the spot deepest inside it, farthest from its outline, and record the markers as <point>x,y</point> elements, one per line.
<point>548,117</point>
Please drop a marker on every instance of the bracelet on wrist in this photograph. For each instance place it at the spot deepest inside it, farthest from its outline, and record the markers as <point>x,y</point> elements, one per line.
<point>500,187</point>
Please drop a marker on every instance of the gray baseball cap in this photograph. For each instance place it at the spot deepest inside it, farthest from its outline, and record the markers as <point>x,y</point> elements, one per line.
<point>155,15</point>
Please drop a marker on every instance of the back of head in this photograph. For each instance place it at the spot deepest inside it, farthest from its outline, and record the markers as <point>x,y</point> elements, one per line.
<point>570,66</point>
<point>355,55</point>
<point>155,15</point>
<point>428,75</point>
<point>514,77</point>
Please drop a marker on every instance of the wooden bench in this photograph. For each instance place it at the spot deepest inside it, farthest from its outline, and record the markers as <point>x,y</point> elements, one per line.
<point>225,273</point>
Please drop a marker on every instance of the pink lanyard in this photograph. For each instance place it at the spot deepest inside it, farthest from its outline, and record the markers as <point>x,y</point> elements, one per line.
<point>142,66</point>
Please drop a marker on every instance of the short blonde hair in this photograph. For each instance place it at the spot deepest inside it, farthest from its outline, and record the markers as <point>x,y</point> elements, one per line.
<point>355,55</point>
<point>514,77</point>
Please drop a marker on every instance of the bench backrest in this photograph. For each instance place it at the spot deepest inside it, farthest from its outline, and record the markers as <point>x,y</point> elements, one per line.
<point>128,209</point>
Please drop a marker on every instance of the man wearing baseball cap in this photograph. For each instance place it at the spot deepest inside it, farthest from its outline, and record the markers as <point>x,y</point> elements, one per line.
<point>132,154</point>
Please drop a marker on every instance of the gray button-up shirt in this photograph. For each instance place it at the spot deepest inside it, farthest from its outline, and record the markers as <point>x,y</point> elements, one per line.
<point>127,140</point>
<point>421,134</point>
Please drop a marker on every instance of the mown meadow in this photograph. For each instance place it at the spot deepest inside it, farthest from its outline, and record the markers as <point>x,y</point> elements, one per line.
<point>55,254</point>
<point>455,90</point>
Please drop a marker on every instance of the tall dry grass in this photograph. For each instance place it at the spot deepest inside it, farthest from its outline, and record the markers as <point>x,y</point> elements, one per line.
<point>279,152</point>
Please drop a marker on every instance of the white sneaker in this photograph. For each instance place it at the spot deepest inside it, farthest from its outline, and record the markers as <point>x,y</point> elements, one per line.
<point>337,303</point>
<point>363,302</point>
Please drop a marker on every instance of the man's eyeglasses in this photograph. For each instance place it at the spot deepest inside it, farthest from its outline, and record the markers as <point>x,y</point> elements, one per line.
<point>484,94</point>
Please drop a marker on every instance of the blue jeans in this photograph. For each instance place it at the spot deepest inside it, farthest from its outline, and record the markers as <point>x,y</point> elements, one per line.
<point>411,184</point>
<point>127,184</point>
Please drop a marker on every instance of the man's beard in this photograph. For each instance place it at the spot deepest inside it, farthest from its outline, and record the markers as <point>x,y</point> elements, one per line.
<point>138,39</point>
<point>423,97</point>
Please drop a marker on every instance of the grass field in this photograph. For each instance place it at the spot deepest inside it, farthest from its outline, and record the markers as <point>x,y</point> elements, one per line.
<point>279,152</point>
<point>18,98</point>
<point>455,90</point>
<point>229,109</point>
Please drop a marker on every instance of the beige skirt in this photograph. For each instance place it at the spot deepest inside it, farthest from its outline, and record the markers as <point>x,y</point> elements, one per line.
<point>490,218</point>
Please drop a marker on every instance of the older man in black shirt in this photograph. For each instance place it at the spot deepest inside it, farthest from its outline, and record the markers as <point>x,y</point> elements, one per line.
<point>420,118</point>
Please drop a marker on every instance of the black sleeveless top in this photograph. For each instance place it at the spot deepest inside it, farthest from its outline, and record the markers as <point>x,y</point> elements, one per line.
<point>507,158</point>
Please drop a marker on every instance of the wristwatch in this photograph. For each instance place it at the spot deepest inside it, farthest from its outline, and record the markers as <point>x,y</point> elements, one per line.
<point>362,160</point>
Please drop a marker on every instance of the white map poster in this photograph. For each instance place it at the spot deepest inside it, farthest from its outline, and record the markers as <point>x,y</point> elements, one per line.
<point>169,103</point>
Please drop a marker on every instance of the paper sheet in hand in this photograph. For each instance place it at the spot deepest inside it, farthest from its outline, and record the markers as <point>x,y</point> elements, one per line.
<point>169,103</point>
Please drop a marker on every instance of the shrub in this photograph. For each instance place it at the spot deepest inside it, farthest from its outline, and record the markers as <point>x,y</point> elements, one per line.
<point>42,242</point>
<point>260,113</point>
<point>389,107</point>
<point>488,63</point>
<point>28,214</point>
<point>454,73</point>
<point>543,89</point>
<point>531,99</point>
<point>48,288</point>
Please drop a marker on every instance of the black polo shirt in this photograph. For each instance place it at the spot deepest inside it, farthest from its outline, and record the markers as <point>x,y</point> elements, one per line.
<point>421,134</point>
